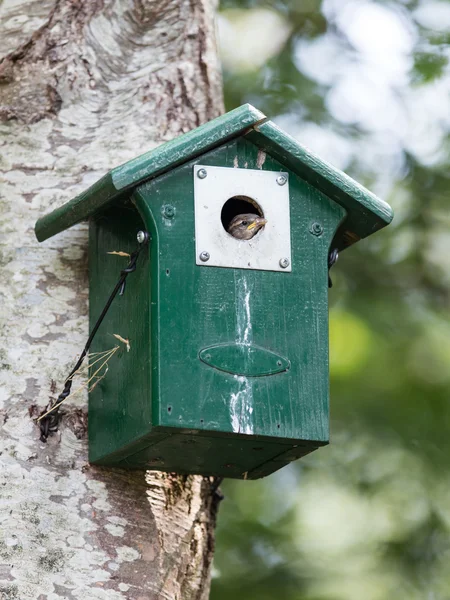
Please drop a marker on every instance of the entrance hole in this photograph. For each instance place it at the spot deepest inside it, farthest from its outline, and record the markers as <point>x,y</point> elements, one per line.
<point>238,205</point>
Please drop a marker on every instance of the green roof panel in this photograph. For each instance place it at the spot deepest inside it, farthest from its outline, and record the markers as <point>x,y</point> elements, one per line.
<point>365,212</point>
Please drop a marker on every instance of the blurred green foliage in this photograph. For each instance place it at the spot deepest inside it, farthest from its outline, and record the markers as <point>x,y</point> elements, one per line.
<point>366,85</point>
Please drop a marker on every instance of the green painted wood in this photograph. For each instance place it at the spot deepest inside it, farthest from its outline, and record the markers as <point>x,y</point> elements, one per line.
<point>366,213</point>
<point>117,184</point>
<point>243,359</point>
<point>196,452</point>
<point>119,405</point>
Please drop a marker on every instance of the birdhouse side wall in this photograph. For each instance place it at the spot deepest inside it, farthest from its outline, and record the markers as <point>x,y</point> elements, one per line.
<point>120,402</point>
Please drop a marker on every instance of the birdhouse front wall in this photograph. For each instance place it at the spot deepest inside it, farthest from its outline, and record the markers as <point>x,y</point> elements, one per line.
<point>231,362</point>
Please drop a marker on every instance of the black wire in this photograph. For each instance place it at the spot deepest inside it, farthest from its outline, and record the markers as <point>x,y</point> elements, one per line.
<point>332,258</point>
<point>49,423</point>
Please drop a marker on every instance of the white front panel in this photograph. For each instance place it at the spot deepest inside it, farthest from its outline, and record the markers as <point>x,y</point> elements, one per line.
<point>269,246</point>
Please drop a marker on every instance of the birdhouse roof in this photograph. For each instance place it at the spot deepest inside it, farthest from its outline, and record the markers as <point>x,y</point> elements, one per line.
<point>365,212</point>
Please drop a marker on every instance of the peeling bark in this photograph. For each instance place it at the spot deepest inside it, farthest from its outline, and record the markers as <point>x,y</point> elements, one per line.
<point>86,85</point>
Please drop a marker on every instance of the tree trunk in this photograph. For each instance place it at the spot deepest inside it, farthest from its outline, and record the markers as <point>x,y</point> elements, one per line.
<point>86,85</point>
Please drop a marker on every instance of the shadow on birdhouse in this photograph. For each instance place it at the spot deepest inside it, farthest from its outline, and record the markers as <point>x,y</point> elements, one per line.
<point>227,311</point>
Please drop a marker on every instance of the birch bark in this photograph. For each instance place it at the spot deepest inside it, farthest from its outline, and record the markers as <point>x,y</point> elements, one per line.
<point>86,85</point>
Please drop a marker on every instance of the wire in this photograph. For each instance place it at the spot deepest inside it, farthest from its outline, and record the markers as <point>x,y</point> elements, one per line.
<point>49,419</point>
<point>332,258</point>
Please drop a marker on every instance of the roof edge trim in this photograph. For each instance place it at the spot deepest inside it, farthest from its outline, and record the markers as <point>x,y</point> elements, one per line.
<point>366,212</point>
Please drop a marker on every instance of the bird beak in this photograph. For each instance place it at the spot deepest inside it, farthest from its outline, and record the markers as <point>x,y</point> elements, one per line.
<point>259,222</point>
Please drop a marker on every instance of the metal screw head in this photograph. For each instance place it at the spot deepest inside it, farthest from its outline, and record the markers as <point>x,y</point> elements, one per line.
<point>169,211</point>
<point>284,263</point>
<point>281,179</point>
<point>204,256</point>
<point>316,229</point>
<point>201,173</point>
<point>141,237</point>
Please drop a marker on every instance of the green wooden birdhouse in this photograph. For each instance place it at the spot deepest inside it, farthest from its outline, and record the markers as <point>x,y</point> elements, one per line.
<point>227,319</point>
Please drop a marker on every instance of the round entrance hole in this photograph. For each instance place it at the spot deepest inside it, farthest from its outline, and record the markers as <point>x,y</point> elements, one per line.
<point>239,205</point>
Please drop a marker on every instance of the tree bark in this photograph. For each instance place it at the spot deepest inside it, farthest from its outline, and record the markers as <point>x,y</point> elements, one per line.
<point>86,85</point>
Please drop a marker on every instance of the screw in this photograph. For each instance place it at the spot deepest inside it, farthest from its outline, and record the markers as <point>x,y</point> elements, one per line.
<point>142,236</point>
<point>316,229</point>
<point>169,211</point>
<point>204,256</point>
<point>284,263</point>
<point>281,180</point>
<point>201,173</point>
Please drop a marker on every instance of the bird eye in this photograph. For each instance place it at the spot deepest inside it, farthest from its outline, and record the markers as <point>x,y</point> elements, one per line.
<point>244,222</point>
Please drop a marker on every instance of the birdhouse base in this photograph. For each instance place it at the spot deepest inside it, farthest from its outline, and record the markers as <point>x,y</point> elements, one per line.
<point>237,456</point>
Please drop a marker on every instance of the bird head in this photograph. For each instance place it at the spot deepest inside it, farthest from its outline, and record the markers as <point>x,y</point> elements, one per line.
<point>246,226</point>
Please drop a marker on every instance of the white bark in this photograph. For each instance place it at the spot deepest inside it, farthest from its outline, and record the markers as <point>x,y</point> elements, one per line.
<point>86,85</point>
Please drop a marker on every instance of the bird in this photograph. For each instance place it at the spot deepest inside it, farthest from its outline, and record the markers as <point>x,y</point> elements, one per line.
<point>246,226</point>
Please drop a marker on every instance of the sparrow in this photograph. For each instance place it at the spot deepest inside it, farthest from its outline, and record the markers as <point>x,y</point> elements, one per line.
<point>246,226</point>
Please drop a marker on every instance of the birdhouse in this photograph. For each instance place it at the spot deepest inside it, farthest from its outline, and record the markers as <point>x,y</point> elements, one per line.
<point>227,311</point>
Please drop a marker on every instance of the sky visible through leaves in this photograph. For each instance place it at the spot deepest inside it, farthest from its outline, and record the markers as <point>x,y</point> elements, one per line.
<point>366,86</point>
